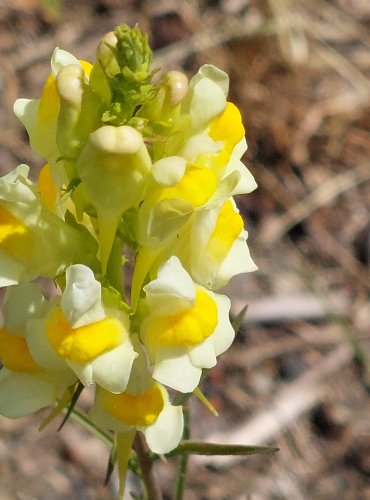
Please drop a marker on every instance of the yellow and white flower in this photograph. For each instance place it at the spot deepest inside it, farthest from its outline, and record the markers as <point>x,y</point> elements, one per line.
<point>187,327</point>
<point>25,386</point>
<point>66,111</point>
<point>213,247</point>
<point>80,332</point>
<point>34,241</point>
<point>144,406</point>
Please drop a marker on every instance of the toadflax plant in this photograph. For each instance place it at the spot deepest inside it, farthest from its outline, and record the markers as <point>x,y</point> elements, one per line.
<point>133,161</point>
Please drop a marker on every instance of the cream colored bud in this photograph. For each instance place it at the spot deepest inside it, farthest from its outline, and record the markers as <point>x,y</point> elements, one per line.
<point>70,84</point>
<point>117,140</point>
<point>114,167</point>
<point>106,54</point>
<point>177,84</point>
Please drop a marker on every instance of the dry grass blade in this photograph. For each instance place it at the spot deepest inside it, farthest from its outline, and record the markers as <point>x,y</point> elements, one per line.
<point>248,26</point>
<point>323,195</point>
<point>333,15</point>
<point>331,246</point>
<point>290,32</point>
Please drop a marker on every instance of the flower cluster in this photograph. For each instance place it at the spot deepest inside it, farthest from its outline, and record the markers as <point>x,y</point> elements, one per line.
<point>141,169</point>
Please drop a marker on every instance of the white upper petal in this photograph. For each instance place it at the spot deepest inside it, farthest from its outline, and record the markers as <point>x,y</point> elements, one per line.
<point>61,58</point>
<point>208,102</point>
<point>26,110</point>
<point>21,303</point>
<point>206,97</point>
<point>173,291</point>
<point>197,145</point>
<point>169,171</point>
<point>81,300</point>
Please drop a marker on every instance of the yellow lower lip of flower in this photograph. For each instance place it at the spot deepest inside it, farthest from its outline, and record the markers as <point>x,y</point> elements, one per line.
<point>16,239</point>
<point>135,410</point>
<point>228,227</point>
<point>83,344</point>
<point>228,127</point>
<point>184,329</point>
<point>196,186</point>
<point>15,355</point>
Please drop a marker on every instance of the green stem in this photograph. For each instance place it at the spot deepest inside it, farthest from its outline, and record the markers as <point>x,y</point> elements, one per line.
<point>183,460</point>
<point>153,491</point>
<point>114,268</point>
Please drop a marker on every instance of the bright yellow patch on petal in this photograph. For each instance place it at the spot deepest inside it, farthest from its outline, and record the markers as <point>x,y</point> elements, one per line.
<point>196,186</point>
<point>84,344</point>
<point>228,227</point>
<point>49,103</point>
<point>47,188</point>
<point>15,355</point>
<point>135,410</point>
<point>86,66</point>
<point>16,239</point>
<point>228,127</point>
<point>184,329</point>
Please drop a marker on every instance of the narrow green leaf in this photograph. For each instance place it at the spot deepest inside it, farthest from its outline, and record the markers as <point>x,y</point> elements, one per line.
<point>238,320</point>
<point>57,410</point>
<point>77,393</point>
<point>202,448</point>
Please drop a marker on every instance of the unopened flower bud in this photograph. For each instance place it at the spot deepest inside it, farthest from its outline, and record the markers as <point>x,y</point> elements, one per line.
<point>113,166</point>
<point>177,84</point>
<point>106,54</point>
<point>78,109</point>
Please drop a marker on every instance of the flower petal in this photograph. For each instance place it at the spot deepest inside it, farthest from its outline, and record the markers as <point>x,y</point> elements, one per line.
<point>22,394</point>
<point>174,369</point>
<point>168,171</point>
<point>164,435</point>
<point>112,369</point>
<point>203,355</point>
<point>40,349</point>
<point>83,371</point>
<point>173,291</point>
<point>224,333</point>
<point>61,58</point>
<point>81,300</point>
<point>11,271</point>
<point>21,303</point>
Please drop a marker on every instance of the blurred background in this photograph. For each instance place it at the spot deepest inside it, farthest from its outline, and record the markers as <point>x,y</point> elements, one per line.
<point>297,376</point>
